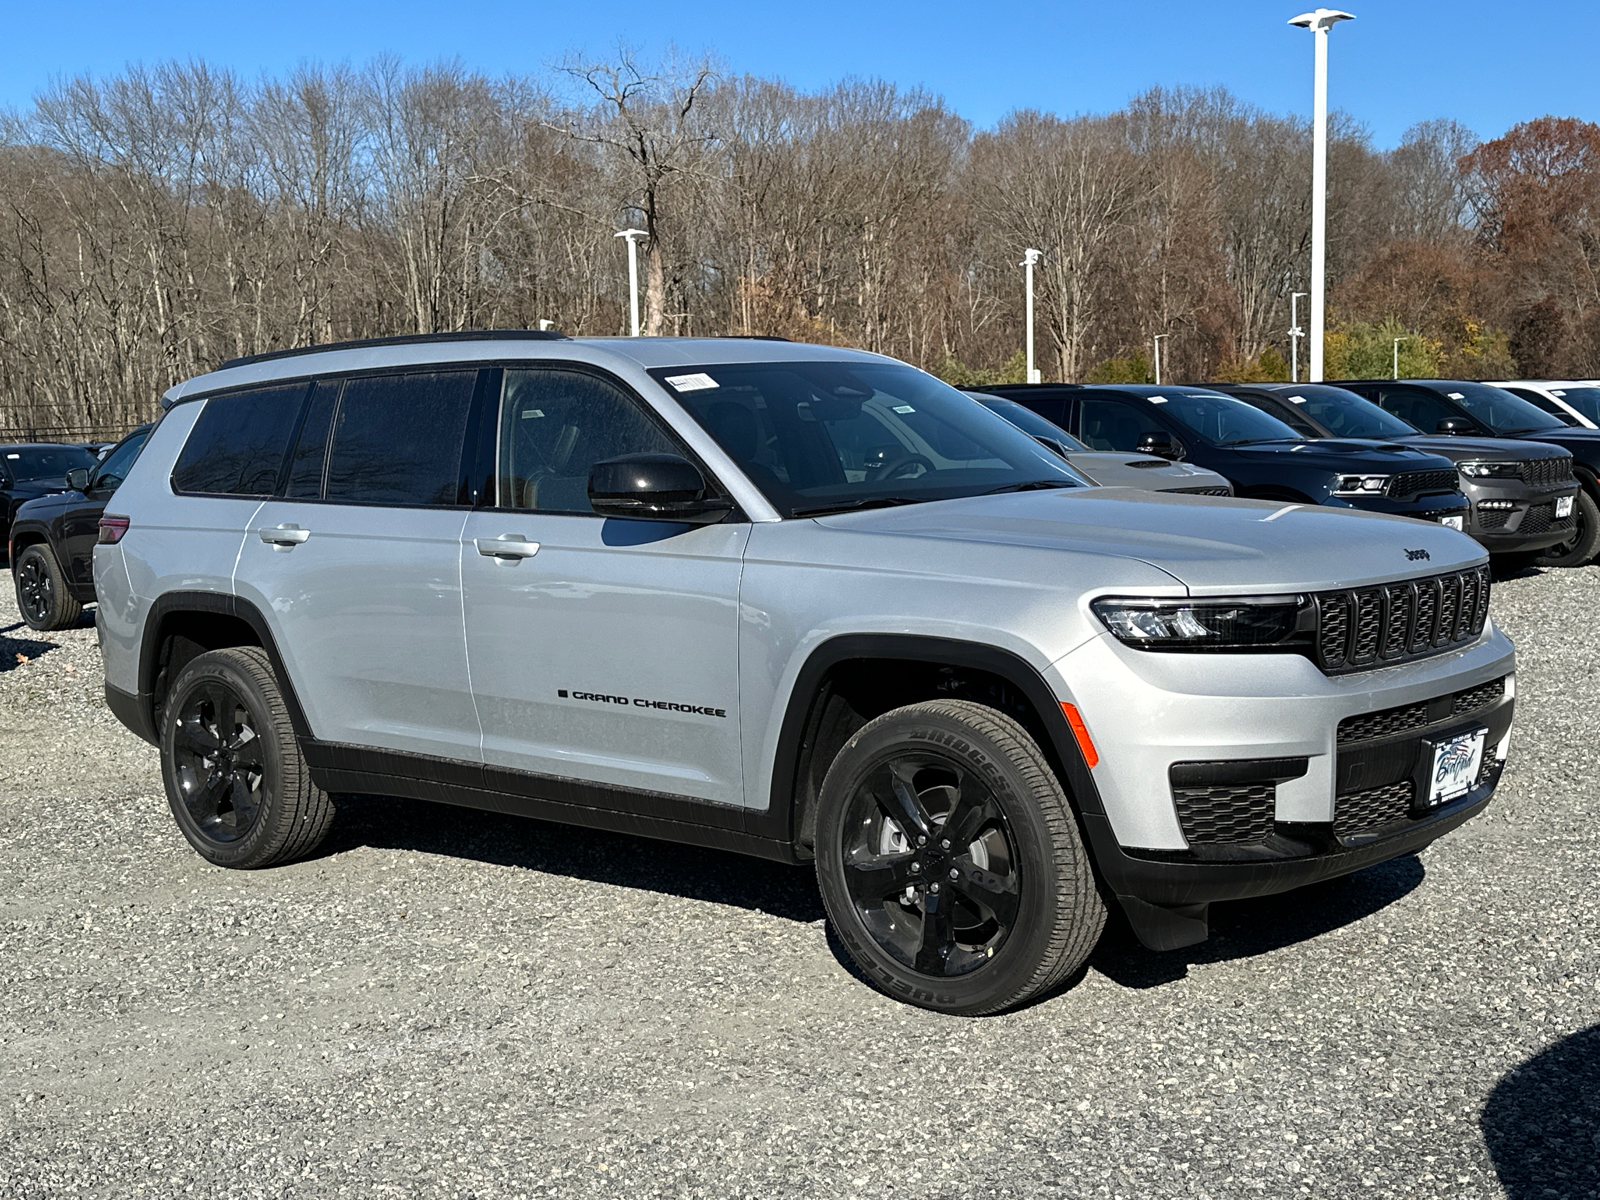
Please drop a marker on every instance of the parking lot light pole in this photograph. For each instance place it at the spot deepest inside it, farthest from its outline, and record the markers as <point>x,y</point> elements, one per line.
<point>1319,21</point>
<point>1295,334</point>
<point>1030,259</point>
<point>1397,341</point>
<point>634,236</point>
<point>1157,339</point>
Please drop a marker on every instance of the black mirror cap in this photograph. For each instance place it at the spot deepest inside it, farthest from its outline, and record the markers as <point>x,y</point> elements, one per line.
<point>78,479</point>
<point>654,487</point>
<point>1162,445</point>
<point>1453,425</point>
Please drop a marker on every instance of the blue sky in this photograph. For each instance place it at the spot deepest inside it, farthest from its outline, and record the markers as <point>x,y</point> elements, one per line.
<point>1490,67</point>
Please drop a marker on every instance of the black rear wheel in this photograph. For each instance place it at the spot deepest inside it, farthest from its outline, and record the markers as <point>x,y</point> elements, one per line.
<point>42,595</point>
<point>949,860</point>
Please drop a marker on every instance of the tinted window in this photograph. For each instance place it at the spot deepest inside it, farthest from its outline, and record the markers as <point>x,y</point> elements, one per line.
<point>1221,420</point>
<point>555,425</point>
<point>1499,409</point>
<point>237,446</point>
<point>310,452</point>
<point>1345,413</point>
<point>1416,407</point>
<point>1285,412</point>
<point>1115,424</point>
<point>46,462</point>
<point>1585,399</point>
<point>114,469</point>
<point>1031,421</point>
<point>397,439</point>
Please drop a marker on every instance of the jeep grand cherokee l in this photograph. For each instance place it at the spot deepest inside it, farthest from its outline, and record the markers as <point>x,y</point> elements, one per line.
<point>795,601</point>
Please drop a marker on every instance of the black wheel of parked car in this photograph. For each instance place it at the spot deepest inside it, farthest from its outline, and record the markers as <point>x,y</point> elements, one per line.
<point>949,860</point>
<point>42,594</point>
<point>1583,547</point>
<point>236,781</point>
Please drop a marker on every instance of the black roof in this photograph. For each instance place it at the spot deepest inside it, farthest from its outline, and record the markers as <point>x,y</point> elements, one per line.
<point>406,339</point>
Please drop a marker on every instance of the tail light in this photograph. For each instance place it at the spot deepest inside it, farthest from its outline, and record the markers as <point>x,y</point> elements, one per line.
<point>112,529</point>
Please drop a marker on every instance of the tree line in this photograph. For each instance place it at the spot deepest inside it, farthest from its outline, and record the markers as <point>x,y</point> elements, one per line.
<point>157,222</point>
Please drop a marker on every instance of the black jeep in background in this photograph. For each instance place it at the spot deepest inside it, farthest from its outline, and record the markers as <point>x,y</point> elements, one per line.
<point>52,537</point>
<point>30,469</point>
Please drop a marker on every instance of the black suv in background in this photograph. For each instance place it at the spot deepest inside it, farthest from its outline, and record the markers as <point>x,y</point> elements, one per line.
<point>32,469</point>
<point>1522,493</point>
<point>53,537</point>
<point>1258,454</point>
<point>1459,408</point>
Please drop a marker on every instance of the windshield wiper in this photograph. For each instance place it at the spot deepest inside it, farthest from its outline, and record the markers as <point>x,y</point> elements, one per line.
<point>1033,485</point>
<point>822,510</point>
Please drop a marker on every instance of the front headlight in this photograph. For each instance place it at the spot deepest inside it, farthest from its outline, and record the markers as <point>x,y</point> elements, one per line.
<point>1254,623</point>
<point>1491,470</point>
<point>1360,485</point>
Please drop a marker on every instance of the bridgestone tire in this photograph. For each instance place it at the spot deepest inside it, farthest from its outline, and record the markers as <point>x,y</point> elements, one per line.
<point>1582,549</point>
<point>52,605</point>
<point>289,815</point>
<point>1059,915</point>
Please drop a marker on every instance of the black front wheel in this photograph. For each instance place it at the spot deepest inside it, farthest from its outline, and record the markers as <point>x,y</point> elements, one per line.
<point>42,594</point>
<point>950,863</point>
<point>1585,543</point>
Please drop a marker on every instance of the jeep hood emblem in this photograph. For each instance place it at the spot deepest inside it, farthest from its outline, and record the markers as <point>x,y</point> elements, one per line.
<point>1414,555</point>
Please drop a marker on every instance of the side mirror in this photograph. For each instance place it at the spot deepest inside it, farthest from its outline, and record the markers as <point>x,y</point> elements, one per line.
<point>78,479</point>
<point>1453,425</point>
<point>654,487</point>
<point>1159,444</point>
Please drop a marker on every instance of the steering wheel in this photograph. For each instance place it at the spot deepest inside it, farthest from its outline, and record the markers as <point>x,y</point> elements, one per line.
<point>899,463</point>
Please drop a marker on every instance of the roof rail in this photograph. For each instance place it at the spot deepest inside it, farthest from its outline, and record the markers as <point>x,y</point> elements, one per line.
<point>405,339</point>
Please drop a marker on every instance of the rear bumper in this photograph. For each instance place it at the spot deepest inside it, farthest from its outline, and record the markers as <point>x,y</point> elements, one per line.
<point>133,711</point>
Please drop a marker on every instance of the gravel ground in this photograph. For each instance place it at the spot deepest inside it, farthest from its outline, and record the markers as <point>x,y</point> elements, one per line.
<point>454,1004</point>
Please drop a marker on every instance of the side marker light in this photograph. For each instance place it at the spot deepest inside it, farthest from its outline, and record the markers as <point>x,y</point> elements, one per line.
<point>1091,756</point>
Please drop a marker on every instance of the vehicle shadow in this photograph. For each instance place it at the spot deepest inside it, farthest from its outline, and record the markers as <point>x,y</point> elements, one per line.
<point>1246,928</point>
<point>1541,1124</point>
<point>714,876</point>
<point>15,650</point>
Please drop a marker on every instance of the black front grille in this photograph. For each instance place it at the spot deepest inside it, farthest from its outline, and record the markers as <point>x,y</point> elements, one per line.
<point>1201,491</point>
<point>1387,722</point>
<point>1544,472</point>
<point>1541,518</point>
<point>1361,811</point>
<point>1377,626</point>
<point>1226,814</point>
<point>1481,696</point>
<point>1409,484</point>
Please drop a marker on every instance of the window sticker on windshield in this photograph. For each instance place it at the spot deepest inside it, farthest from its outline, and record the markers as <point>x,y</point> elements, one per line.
<point>1557,392</point>
<point>904,408</point>
<point>1455,395</point>
<point>1298,399</point>
<point>1158,399</point>
<point>530,414</point>
<point>13,456</point>
<point>697,382</point>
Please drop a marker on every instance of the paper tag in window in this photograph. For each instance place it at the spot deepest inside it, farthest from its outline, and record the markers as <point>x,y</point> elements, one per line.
<point>904,408</point>
<point>697,382</point>
<point>531,414</point>
<point>1455,395</point>
<point>1158,399</point>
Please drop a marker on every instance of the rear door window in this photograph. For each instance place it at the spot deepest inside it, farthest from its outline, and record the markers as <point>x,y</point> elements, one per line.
<point>1114,425</point>
<point>397,439</point>
<point>238,443</point>
<point>1415,406</point>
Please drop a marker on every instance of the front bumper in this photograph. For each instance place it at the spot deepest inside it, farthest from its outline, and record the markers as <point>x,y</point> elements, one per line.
<point>1512,517</point>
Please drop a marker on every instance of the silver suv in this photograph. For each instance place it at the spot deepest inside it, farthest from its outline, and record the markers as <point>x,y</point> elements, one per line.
<point>793,601</point>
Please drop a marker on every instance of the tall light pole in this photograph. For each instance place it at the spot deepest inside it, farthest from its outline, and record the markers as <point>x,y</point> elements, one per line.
<point>634,236</point>
<point>1295,334</point>
<point>1157,339</point>
<point>1396,373</point>
<point>1030,259</point>
<point>1319,22</point>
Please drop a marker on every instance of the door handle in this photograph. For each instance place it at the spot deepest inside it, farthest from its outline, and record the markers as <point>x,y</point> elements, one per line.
<point>508,547</point>
<point>284,537</point>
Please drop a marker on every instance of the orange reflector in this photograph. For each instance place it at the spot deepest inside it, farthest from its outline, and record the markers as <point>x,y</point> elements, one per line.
<point>1091,757</point>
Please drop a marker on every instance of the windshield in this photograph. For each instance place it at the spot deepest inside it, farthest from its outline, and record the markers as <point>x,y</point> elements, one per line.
<point>1345,414</point>
<point>47,462</point>
<point>818,436</point>
<point>1499,409</point>
<point>1585,399</point>
<point>1222,420</point>
<point>1030,422</point>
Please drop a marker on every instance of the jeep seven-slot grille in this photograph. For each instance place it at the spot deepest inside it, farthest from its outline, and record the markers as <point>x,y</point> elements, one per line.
<point>1409,484</point>
<point>1226,814</point>
<point>1370,627</point>
<point>1387,722</point>
<point>1543,472</point>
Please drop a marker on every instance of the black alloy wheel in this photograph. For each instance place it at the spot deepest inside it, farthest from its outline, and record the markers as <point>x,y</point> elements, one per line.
<point>1581,548</point>
<point>217,755</point>
<point>42,595</point>
<point>931,869</point>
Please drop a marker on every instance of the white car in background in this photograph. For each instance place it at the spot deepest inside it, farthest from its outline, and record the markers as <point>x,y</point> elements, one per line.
<point>1576,403</point>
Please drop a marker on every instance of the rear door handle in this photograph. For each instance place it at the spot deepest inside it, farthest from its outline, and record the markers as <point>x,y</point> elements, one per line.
<point>284,537</point>
<point>508,547</point>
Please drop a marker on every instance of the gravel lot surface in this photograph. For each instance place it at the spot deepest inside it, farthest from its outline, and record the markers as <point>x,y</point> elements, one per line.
<point>454,1004</point>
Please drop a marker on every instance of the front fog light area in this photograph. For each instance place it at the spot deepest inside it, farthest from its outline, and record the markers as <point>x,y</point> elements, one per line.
<point>1264,623</point>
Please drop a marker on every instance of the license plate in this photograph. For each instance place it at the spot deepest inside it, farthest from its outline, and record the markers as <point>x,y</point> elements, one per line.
<point>1454,523</point>
<point>1563,507</point>
<point>1456,762</point>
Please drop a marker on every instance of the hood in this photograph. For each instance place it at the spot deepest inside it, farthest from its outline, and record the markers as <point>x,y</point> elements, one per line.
<point>28,489</point>
<point>1212,545</point>
<point>1465,449</point>
<point>48,504</point>
<point>1110,469</point>
<point>1343,454</point>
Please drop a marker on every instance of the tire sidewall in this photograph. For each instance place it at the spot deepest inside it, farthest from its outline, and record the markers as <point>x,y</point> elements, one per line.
<point>1016,962</point>
<point>222,667</point>
<point>52,618</point>
<point>1587,541</point>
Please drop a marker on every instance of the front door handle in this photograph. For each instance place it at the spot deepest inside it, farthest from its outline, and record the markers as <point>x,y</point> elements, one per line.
<point>284,537</point>
<point>508,547</point>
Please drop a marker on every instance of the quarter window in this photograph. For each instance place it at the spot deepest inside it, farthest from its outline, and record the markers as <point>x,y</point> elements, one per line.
<point>397,439</point>
<point>238,443</point>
